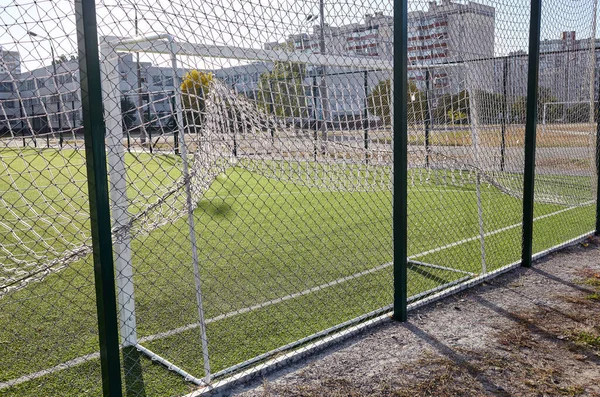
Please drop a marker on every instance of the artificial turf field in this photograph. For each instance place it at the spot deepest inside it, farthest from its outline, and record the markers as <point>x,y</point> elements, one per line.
<point>327,254</point>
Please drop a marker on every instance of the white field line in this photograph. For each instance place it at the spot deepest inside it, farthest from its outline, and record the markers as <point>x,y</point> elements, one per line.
<point>265,304</point>
<point>92,356</point>
<point>503,229</point>
<point>359,326</point>
<point>51,370</point>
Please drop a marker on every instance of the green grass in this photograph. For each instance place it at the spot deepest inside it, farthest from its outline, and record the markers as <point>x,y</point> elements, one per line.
<point>258,239</point>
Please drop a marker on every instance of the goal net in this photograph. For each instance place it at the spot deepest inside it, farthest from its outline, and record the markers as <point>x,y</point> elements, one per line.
<point>322,122</point>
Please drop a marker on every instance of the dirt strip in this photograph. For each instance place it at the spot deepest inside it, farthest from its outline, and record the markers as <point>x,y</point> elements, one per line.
<point>531,332</point>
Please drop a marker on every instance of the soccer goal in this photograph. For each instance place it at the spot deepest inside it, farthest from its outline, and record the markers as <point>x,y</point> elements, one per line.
<point>295,128</point>
<point>566,116</point>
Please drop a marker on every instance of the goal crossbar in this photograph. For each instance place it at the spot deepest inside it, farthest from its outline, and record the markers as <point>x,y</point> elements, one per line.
<point>165,44</point>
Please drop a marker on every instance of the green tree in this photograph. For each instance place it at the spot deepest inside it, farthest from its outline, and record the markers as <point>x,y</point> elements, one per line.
<point>578,113</point>
<point>379,101</point>
<point>518,108</point>
<point>453,108</point>
<point>489,106</point>
<point>194,89</point>
<point>281,91</point>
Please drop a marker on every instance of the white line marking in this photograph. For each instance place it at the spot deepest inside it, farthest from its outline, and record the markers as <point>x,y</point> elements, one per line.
<point>51,370</point>
<point>467,240</point>
<point>96,355</point>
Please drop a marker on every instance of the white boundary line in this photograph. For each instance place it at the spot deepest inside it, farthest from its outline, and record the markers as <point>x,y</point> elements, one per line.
<point>497,231</point>
<point>51,370</point>
<point>88,357</point>
<point>329,340</point>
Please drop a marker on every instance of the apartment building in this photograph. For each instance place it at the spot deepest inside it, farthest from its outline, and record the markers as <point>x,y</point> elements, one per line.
<point>566,66</point>
<point>48,98</point>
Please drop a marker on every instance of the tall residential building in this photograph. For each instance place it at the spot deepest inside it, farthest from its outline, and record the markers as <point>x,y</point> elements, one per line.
<point>10,69</point>
<point>449,32</point>
<point>373,37</point>
<point>566,66</point>
<point>444,33</point>
<point>10,62</point>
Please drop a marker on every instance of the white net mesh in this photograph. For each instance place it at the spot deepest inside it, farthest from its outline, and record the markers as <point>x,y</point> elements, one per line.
<point>249,149</point>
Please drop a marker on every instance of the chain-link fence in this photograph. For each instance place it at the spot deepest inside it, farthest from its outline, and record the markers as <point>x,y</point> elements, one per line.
<point>244,155</point>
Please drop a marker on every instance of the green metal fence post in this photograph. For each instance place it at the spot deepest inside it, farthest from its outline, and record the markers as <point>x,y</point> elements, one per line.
<point>400,135</point>
<point>427,117</point>
<point>530,130</point>
<point>597,229</point>
<point>94,133</point>
<point>504,112</point>
<point>366,123</point>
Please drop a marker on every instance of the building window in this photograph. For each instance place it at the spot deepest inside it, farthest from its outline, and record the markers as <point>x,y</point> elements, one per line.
<point>6,87</point>
<point>158,97</point>
<point>65,78</point>
<point>69,97</point>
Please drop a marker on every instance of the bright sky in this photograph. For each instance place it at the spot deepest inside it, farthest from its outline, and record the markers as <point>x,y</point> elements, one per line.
<point>248,23</point>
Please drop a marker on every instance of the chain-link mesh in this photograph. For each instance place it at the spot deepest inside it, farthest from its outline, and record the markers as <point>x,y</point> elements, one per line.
<point>566,133</point>
<point>48,326</point>
<point>250,167</point>
<point>465,141</point>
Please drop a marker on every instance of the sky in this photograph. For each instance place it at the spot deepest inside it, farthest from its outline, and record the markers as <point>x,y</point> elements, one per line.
<point>248,23</point>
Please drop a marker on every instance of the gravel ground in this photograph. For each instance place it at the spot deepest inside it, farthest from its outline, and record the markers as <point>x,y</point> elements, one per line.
<point>531,332</point>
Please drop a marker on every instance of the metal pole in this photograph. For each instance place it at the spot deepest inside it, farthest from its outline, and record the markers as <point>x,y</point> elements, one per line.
<point>21,114</point>
<point>315,134</point>
<point>400,182</point>
<point>187,177</point>
<point>94,132</point>
<point>323,86</point>
<point>597,230</point>
<point>33,124</point>
<point>594,111</point>
<point>139,87</point>
<point>597,113</point>
<point>504,113</point>
<point>58,105</point>
<point>544,117</point>
<point>175,117</point>
<point>149,124</point>
<point>272,110</point>
<point>530,131</point>
<point>118,192</point>
<point>366,115</point>
<point>427,117</point>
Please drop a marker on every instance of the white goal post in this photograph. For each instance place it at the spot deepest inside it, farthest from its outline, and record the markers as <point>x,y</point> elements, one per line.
<point>545,115</point>
<point>166,44</point>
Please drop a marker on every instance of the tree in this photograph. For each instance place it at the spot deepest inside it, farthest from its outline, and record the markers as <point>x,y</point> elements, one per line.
<point>281,91</point>
<point>578,113</point>
<point>380,99</point>
<point>128,112</point>
<point>453,108</point>
<point>194,90</point>
<point>64,58</point>
<point>490,107</point>
<point>518,109</point>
